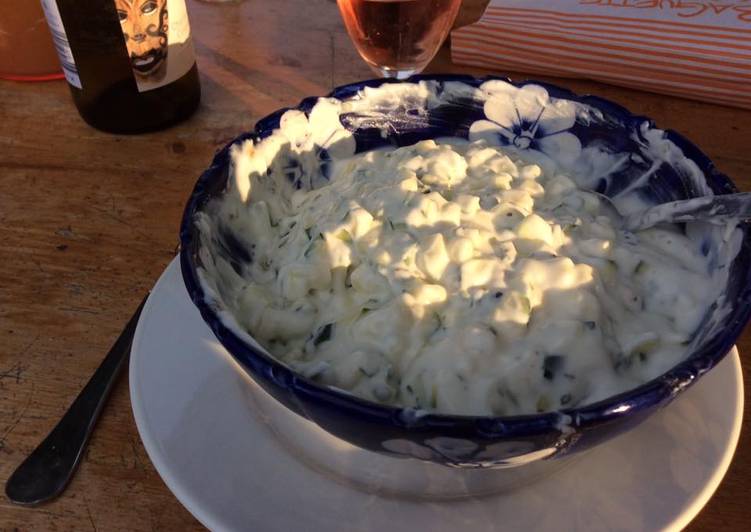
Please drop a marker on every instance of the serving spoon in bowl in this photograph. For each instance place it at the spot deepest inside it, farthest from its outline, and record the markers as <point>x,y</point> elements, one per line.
<point>714,209</point>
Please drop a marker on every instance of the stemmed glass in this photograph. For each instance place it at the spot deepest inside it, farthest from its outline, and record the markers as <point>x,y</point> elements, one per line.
<point>398,38</point>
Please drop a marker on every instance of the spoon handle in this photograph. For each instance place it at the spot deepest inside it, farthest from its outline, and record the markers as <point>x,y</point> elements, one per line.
<point>47,470</point>
<point>718,209</point>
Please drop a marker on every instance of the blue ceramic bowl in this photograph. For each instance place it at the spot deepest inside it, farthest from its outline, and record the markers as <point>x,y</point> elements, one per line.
<point>617,153</point>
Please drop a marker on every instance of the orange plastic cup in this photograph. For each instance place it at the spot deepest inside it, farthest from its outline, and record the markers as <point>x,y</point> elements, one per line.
<point>26,49</point>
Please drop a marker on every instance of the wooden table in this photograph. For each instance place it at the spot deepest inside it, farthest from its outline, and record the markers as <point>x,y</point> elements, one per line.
<point>88,221</point>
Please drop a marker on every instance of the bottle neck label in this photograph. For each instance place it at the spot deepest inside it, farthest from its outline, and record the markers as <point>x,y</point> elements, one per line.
<point>158,39</point>
<point>52,14</point>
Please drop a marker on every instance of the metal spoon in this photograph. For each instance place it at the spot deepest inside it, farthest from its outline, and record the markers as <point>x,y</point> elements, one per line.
<point>714,209</point>
<point>47,470</point>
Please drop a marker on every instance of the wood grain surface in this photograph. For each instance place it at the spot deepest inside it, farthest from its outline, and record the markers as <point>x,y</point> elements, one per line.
<point>89,220</point>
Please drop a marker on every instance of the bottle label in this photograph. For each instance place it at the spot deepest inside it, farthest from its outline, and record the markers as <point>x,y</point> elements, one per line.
<point>157,36</point>
<point>52,13</point>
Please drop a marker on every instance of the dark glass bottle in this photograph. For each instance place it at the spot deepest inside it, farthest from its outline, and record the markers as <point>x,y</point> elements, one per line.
<point>129,63</point>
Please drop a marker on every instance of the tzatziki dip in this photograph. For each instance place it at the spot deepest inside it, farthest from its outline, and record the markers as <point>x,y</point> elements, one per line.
<point>456,277</point>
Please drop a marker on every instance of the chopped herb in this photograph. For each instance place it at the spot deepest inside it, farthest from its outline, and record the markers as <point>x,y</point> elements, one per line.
<point>565,398</point>
<point>640,267</point>
<point>551,365</point>
<point>505,393</point>
<point>307,232</point>
<point>323,334</point>
<point>344,235</point>
<point>391,375</point>
<point>512,397</point>
<point>365,372</point>
<point>543,404</point>
<point>622,362</point>
<point>310,248</point>
<point>498,295</point>
<point>409,389</point>
<point>569,376</point>
<point>643,356</point>
<point>348,277</point>
<point>591,325</point>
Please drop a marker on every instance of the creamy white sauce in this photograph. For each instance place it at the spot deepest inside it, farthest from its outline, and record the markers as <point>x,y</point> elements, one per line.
<point>456,277</point>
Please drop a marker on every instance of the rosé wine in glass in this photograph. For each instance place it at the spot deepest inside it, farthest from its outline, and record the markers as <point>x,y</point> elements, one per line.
<point>398,38</point>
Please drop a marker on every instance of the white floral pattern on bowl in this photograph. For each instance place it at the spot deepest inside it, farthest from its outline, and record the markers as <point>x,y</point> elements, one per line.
<point>529,119</point>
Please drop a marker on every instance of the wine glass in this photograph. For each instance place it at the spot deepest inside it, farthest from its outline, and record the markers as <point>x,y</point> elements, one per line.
<point>398,38</point>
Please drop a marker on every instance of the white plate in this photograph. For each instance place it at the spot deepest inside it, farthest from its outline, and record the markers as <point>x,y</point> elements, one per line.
<point>199,419</point>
